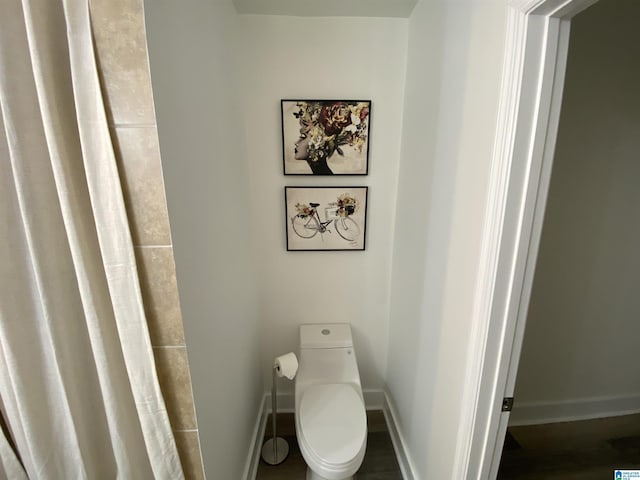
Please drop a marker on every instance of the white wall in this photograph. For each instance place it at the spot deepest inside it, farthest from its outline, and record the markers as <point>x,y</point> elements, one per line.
<point>582,329</point>
<point>327,8</point>
<point>192,54</point>
<point>296,57</point>
<point>415,314</point>
<point>451,97</point>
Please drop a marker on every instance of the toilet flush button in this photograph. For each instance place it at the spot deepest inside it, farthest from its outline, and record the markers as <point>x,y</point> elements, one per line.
<point>326,331</point>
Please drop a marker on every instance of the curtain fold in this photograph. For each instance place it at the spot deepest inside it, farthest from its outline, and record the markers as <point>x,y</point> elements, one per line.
<point>10,465</point>
<point>78,386</point>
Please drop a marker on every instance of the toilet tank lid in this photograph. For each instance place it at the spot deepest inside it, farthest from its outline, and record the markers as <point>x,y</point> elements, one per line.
<point>327,335</point>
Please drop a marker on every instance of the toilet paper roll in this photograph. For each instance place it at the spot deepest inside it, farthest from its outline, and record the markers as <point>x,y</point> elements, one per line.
<point>287,365</point>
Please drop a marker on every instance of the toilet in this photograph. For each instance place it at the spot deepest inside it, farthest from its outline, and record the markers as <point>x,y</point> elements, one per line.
<point>331,421</point>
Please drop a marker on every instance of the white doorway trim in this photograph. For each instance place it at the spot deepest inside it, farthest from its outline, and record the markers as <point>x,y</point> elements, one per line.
<point>533,77</point>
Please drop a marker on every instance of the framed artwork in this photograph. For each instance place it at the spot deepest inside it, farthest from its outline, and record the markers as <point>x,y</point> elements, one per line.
<point>326,137</point>
<point>325,218</point>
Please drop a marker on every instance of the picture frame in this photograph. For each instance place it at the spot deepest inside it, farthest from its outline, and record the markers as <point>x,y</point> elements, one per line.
<point>326,137</point>
<point>325,218</point>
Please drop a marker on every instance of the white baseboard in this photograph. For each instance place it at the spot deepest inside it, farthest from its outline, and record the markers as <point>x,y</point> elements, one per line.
<point>373,399</point>
<point>399,444</point>
<point>253,459</point>
<point>535,413</point>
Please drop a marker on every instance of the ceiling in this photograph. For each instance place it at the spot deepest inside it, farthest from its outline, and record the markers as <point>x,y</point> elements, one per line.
<point>327,8</point>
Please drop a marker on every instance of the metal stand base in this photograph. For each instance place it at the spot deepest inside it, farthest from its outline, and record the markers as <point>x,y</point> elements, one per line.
<point>275,450</point>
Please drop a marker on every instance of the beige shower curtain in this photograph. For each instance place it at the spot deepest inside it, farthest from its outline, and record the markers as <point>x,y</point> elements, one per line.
<point>79,395</point>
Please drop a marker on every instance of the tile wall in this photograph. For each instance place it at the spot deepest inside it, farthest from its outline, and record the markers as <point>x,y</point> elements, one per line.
<point>121,49</point>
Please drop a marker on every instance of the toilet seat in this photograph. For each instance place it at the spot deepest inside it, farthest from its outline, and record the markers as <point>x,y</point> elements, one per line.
<point>329,412</point>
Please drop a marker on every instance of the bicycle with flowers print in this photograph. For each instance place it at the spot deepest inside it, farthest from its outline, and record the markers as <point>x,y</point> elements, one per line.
<point>307,223</point>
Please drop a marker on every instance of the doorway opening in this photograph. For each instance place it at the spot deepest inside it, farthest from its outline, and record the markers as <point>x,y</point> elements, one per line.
<point>578,362</point>
<point>535,62</point>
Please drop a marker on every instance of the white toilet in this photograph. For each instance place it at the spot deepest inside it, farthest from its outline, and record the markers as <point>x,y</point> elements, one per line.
<point>331,421</point>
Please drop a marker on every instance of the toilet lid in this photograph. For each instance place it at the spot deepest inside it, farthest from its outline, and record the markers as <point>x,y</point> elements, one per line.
<point>333,421</point>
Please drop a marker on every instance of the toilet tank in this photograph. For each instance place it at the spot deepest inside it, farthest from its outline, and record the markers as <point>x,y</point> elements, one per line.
<point>327,355</point>
<point>328,335</point>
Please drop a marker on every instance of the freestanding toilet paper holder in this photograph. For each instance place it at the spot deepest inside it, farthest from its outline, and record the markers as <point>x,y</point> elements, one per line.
<point>276,449</point>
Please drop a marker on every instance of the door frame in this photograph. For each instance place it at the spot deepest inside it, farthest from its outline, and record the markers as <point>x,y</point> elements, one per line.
<point>536,48</point>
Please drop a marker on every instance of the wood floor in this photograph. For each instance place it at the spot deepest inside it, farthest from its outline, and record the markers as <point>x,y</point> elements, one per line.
<point>379,462</point>
<point>584,450</point>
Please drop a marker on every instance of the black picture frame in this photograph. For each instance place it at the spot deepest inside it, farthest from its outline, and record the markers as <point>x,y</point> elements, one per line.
<point>326,218</point>
<point>325,137</point>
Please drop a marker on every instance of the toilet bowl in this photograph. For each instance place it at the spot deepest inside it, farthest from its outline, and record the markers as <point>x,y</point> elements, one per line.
<point>331,421</point>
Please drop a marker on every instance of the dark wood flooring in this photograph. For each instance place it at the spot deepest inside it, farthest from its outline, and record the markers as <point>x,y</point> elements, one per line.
<point>584,450</point>
<point>379,462</point>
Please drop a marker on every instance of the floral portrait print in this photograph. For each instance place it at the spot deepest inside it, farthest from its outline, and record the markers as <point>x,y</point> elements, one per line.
<point>326,137</point>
